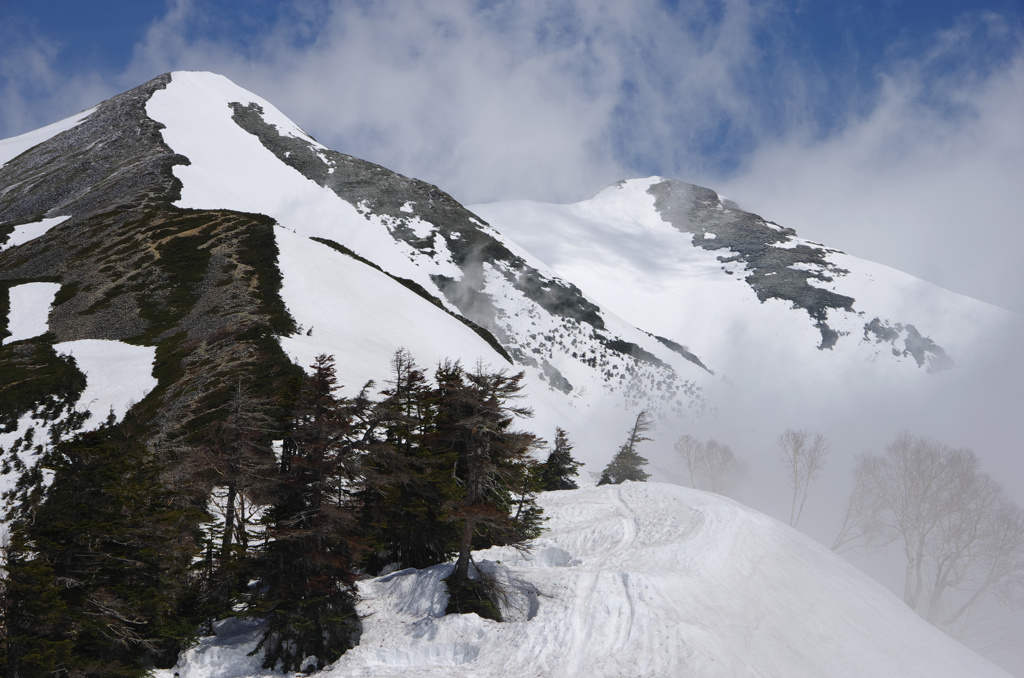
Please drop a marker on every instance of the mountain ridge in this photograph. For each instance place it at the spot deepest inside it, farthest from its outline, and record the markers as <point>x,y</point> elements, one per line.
<point>142,257</point>
<point>190,225</point>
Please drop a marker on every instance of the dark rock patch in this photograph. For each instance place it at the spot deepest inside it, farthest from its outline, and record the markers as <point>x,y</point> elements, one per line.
<point>749,240</point>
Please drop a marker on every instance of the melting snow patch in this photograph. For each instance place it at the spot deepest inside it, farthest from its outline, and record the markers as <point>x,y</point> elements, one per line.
<point>421,228</point>
<point>787,244</point>
<point>117,374</point>
<point>30,308</point>
<point>808,266</point>
<point>407,207</point>
<point>15,146</point>
<point>25,232</point>
<point>710,236</point>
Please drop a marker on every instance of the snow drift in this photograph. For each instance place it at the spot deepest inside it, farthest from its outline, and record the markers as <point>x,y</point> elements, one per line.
<point>639,579</point>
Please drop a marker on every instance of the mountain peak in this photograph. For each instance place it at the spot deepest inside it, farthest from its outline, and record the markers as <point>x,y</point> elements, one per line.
<point>190,234</point>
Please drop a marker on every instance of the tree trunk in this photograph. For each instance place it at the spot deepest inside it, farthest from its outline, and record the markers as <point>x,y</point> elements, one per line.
<point>465,548</point>
<point>229,522</point>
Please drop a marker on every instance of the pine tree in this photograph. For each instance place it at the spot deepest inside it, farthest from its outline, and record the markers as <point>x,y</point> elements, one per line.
<point>306,590</point>
<point>527,517</point>
<point>406,483</point>
<point>36,634</point>
<point>627,464</point>
<point>119,544</point>
<point>474,419</point>
<point>230,462</point>
<point>558,471</point>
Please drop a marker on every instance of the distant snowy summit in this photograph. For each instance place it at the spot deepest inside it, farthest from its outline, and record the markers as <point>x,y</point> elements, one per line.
<point>189,213</point>
<point>683,262</point>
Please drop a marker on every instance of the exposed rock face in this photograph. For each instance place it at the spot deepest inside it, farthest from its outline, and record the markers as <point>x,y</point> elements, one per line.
<point>478,252</point>
<point>774,270</point>
<point>199,285</point>
<point>114,157</point>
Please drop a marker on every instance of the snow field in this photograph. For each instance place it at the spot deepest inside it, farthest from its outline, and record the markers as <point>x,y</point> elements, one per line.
<point>640,579</point>
<point>25,232</point>
<point>349,309</point>
<point>29,310</point>
<point>117,374</point>
<point>15,146</point>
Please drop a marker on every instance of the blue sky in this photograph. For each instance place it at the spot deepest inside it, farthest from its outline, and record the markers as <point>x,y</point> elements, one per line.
<point>890,129</point>
<point>887,128</point>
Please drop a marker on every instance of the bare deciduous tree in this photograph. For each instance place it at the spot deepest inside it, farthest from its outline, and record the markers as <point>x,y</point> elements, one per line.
<point>854,533</point>
<point>962,538</point>
<point>711,465</point>
<point>804,456</point>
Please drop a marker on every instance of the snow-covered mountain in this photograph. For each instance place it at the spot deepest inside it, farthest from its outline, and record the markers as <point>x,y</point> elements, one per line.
<point>654,294</point>
<point>686,263</point>
<point>640,579</point>
<point>185,235</point>
<point>190,171</point>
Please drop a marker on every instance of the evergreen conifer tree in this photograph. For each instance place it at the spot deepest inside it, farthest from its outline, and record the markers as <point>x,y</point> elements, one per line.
<point>35,630</point>
<point>627,464</point>
<point>527,517</point>
<point>558,471</point>
<point>306,589</point>
<point>119,544</point>
<point>475,414</point>
<point>406,483</point>
<point>230,463</point>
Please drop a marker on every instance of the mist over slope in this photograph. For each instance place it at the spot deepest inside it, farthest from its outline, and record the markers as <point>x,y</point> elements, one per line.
<point>686,300</point>
<point>191,235</point>
<point>802,335</point>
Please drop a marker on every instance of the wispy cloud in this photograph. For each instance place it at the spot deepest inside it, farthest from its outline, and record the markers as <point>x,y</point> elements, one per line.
<point>33,91</point>
<point>498,100</point>
<point>553,100</point>
<point>927,180</point>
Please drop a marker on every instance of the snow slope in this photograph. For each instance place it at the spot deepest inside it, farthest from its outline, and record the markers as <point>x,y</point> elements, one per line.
<point>640,579</point>
<point>619,248</point>
<point>352,323</point>
<point>15,146</point>
<point>229,168</point>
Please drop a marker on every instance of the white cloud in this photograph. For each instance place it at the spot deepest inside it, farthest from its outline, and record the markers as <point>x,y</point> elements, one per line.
<point>508,99</point>
<point>929,180</point>
<point>33,91</point>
